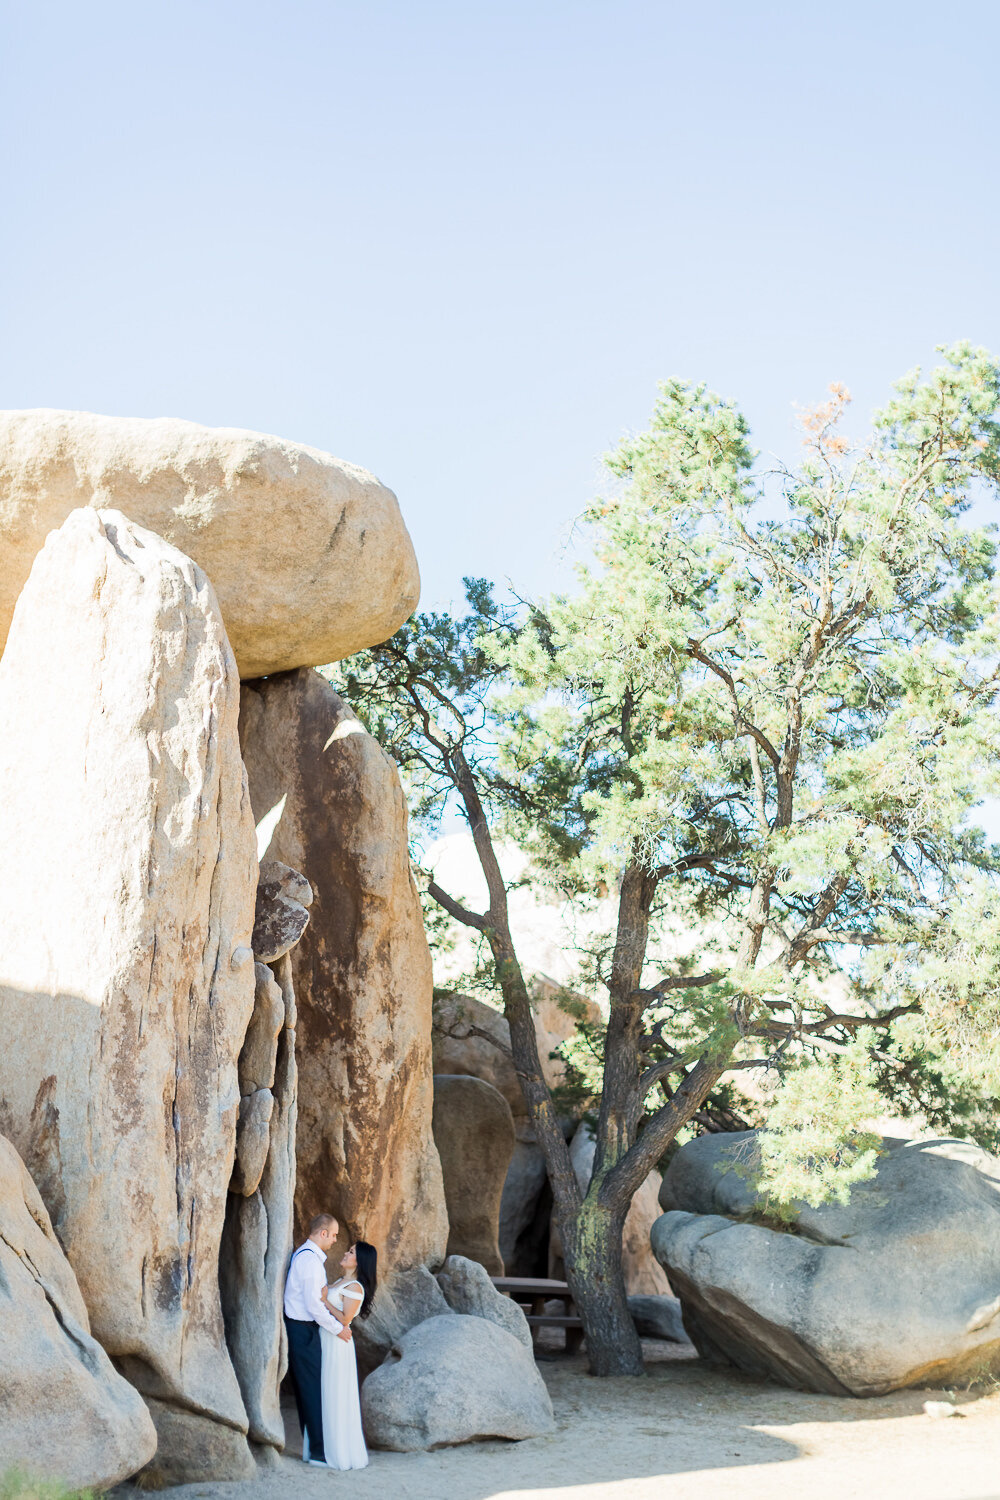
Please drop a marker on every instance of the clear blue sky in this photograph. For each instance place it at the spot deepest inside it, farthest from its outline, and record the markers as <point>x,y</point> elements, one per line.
<point>459,243</point>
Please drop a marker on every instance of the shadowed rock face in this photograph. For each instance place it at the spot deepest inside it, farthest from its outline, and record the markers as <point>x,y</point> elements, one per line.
<point>257,1239</point>
<point>474,1134</point>
<point>309,556</point>
<point>64,1408</point>
<point>525,1206</point>
<point>126,976</point>
<point>328,803</point>
<point>899,1287</point>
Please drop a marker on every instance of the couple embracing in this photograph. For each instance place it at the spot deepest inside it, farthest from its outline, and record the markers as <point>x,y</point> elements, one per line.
<point>321,1355</point>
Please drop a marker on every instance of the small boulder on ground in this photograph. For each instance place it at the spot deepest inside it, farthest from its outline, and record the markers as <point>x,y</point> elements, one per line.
<point>468,1288</point>
<point>454,1379</point>
<point>404,1299</point>
<point>658,1318</point>
<point>898,1287</point>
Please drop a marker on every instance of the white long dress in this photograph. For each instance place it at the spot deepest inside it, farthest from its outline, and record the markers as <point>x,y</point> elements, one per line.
<point>343,1439</point>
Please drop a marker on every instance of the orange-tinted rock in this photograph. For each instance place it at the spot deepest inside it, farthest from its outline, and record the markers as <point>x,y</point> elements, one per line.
<point>127,982</point>
<point>328,803</point>
<point>474,1133</point>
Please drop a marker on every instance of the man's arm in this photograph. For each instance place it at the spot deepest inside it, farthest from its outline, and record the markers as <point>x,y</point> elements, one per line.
<point>313,1282</point>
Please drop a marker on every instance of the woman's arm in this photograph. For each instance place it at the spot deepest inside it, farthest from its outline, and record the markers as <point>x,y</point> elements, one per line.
<point>335,1311</point>
<point>352,1303</point>
<point>344,1318</point>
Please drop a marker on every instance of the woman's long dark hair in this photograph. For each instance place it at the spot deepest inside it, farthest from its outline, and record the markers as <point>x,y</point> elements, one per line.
<point>366,1271</point>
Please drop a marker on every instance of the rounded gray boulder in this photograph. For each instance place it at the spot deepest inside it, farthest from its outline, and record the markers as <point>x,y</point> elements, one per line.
<point>454,1379</point>
<point>899,1287</point>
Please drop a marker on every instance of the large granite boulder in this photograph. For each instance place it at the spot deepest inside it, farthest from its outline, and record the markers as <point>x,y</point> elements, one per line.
<point>126,973</point>
<point>328,803</point>
<point>474,1135</point>
<point>454,1379</point>
<point>330,564</point>
<point>900,1287</point>
<point>65,1412</point>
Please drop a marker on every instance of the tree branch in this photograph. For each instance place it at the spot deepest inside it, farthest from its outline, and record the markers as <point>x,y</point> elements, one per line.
<point>456,909</point>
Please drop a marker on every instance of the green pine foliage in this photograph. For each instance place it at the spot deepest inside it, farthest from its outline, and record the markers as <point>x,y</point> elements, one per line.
<point>767,716</point>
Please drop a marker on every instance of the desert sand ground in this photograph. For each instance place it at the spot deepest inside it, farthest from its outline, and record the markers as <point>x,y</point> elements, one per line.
<point>686,1432</point>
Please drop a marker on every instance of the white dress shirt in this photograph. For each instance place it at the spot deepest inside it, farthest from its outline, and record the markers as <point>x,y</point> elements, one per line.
<point>305,1280</point>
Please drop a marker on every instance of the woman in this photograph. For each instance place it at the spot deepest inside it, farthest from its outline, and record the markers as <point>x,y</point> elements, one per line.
<point>350,1297</point>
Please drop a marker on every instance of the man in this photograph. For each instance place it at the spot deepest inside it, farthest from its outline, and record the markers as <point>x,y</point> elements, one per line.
<point>305,1315</point>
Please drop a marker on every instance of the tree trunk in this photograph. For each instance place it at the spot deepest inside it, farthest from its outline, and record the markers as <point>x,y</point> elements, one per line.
<point>592,1248</point>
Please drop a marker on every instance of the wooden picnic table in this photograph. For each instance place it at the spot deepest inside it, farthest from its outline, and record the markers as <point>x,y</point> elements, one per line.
<point>535,1291</point>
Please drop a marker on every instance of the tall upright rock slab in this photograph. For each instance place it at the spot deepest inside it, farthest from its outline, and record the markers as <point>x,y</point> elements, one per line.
<point>126,974</point>
<point>328,803</point>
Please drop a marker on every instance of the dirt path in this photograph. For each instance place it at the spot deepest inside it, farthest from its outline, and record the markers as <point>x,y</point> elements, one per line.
<point>687,1433</point>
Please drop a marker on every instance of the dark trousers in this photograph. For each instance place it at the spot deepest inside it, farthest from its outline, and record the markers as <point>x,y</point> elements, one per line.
<point>305,1362</point>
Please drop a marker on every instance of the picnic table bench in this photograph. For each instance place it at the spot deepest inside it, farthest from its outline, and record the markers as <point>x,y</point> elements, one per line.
<point>532,1293</point>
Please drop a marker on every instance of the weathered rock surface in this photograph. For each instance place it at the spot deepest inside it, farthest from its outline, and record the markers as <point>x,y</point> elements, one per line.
<point>658,1318</point>
<point>525,1207</point>
<point>281,916</point>
<point>404,1299</point>
<point>899,1287</point>
<point>65,1412</point>
<point>331,563</point>
<point>257,1238</point>
<point>468,1289</point>
<point>474,1135</point>
<point>127,977</point>
<point>259,1056</point>
<point>452,1380</point>
<point>329,804</point>
<point>643,1276</point>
